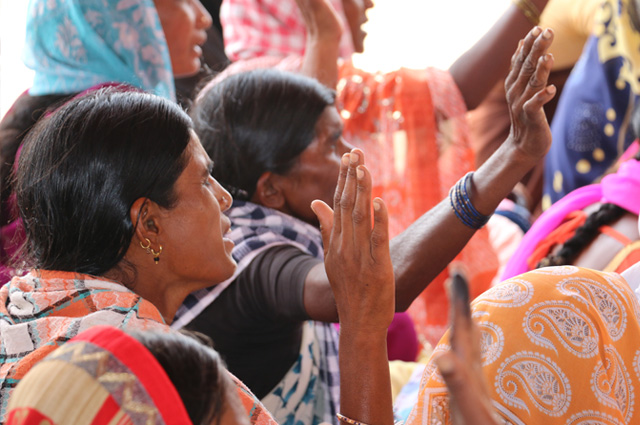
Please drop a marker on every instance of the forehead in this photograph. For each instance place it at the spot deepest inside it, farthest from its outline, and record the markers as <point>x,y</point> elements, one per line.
<point>329,122</point>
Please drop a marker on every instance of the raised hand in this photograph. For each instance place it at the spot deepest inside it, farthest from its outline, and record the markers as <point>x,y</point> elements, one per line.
<point>324,30</point>
<point>320,18</point>
<point>527,92</point>
<point>357,257</point>
<point>461,367</point>
<point>359,268</point>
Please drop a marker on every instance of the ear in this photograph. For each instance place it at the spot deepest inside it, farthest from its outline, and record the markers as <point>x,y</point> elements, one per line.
<point>270,191</point>
<point>145,217</point>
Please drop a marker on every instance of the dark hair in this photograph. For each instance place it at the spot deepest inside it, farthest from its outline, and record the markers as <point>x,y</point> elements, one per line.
<point>82,168</point>
<point>15,125</point>
<point>258,121</point>
<point>585,234</point>
<point>195,369</point>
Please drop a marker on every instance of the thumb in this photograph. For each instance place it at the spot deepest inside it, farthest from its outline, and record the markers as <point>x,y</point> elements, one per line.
<point>325,217</point>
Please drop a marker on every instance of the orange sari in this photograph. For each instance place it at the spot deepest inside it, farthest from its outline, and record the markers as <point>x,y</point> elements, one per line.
<point>412,126</point>
<point>560,345</point>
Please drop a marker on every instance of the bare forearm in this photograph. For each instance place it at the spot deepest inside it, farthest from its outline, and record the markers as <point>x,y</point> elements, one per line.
<point>478,70</point>
<point>365,385</point>
<point>321,61</point>
<point>425,248</point>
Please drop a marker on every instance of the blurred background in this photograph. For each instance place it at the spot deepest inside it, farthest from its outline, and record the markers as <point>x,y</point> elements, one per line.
<point>409,33</point>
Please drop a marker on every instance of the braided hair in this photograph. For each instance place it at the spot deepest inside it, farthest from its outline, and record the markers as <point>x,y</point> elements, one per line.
<point>585,234</point>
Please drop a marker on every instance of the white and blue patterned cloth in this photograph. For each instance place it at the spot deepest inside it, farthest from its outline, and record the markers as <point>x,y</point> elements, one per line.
<point>310,392</point>
<point>73,45</point>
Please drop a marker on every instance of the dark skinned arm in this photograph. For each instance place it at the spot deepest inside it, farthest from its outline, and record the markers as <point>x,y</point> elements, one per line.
<point>426,247</point>
<point>480,68</point>
<point>324,31</point>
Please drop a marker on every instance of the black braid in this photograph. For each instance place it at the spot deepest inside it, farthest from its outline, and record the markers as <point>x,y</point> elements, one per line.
<point>585,234</point>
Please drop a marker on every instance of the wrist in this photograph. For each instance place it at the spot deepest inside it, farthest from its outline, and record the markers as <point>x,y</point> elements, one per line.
<point>367,336</point>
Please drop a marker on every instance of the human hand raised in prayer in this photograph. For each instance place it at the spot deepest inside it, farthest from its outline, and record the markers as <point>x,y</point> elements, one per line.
<point>461,367</point>
<point>358,264</point>
<point>357,258</point>
<point>527,92</point>
<point>320,18</point>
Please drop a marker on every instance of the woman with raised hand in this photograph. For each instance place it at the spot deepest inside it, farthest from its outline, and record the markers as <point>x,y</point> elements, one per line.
<point>86,174</point>
<point>410,122</point>
<point>276,139</point>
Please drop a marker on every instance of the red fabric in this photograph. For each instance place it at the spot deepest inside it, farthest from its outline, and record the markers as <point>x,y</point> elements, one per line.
<point>257,28</point>
<point>144,366</point>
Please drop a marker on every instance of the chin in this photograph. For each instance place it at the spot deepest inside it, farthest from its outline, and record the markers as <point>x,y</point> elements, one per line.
<point>187,71</point>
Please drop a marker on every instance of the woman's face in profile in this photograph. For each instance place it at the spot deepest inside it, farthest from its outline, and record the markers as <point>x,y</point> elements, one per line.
<point>193,239</point>
<point>356,13</point>
<point>315,176</point>
<point>184,23</point>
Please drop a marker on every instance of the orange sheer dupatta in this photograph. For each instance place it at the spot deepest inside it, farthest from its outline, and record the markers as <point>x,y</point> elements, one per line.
<point>411,125</point>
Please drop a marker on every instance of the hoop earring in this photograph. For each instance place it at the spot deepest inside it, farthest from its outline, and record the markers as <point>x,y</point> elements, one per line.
<point>156,255</point>
<point>148,247</point>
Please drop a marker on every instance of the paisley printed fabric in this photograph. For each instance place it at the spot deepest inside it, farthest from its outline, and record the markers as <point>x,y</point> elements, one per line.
<point>559,346</point>
<point>73,45</point>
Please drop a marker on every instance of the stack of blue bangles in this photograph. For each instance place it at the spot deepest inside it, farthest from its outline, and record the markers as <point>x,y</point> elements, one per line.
<point>462,206</point>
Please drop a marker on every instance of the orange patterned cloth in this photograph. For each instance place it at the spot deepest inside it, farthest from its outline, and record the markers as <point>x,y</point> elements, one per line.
<point>560,345</point>
<point>44,309</point>
<point>411,124</point>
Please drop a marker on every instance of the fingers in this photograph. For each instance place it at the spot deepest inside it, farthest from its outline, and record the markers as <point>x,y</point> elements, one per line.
<point>342,178</point>
<point>325,217</point>
<point>361,214</point>
<point>348,196</point>
<point>537,92</point>
<point>451,370</point>
<point>380,232</point>
<point>527,59</point>
<point>524,47</point>
<point>460,315</point>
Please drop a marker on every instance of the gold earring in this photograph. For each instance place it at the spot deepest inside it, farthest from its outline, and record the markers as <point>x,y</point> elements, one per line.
<point>156,255</point>
<point>148,247</point>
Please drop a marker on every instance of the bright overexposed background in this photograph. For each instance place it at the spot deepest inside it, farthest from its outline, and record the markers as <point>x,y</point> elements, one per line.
<point>409,33</point>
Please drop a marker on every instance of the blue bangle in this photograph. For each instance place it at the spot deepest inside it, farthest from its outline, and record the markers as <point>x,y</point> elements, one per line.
<point>462,206</point>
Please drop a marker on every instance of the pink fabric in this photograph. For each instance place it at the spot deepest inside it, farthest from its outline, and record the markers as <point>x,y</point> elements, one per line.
<point>621,189</point>
<point>257,28</point>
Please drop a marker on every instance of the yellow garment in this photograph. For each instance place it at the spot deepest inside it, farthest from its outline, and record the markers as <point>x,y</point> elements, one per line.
<point>560,345</point>
<point>572,21</point>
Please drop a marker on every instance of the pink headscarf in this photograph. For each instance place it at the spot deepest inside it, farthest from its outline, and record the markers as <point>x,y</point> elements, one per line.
<point>258,28</point>
<point>621,189</point>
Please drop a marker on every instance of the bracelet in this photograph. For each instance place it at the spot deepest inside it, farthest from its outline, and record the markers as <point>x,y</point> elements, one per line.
<point>529,10</point>
<point>352,422</point>
<point>343,418</point>
<point>462,206</point>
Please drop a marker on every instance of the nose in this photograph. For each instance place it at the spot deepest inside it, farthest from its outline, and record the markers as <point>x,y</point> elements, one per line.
<point>203,18</point>
<point>368,4</point>
<point>343,147</point>
<point>223,196</point>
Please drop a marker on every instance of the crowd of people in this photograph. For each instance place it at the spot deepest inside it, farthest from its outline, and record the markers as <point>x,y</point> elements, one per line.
<point>197,238</point>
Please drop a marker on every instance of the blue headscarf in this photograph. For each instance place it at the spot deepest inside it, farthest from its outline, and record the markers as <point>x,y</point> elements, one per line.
<point>591,127</point>
<point>76,44</point>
